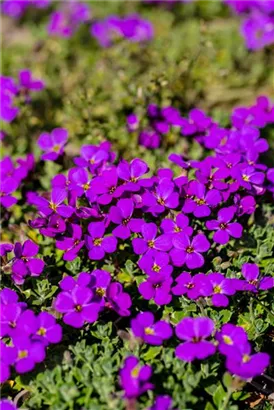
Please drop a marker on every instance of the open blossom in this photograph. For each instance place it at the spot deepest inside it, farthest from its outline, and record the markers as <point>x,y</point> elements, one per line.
<point>46,329</point>
<point>77,307</point>
<point>97,243</point>
<point>117,299</point>
<point>229,337</point>
<point>224,227</point>
<point>99,283</point>
<point>181,224</point>
<point>134,378</point>
<point>27,83</point>
<point>194,331</point>
<point>121,214</point>
<point>150,241</point>
<point>157,287</point>
<point>189,251</point>
<point>244,364</point>
<point>202,201</point>
<point>55,205</point>
<point>131,173</point>
<point>221,287</point>
<point>192,286</point>
<point>151,332</point>
<point>131,27</point>
<point>106,187</point>
<point>66,21</point>
<point>53,143</point>
<point>24,262</point>
<point>163,197</point>
<point>157,262</point>
<point>253,280</point>
<point>72,244</point>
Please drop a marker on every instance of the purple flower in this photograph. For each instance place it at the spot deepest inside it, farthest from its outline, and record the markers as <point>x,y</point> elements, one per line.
<point>99,283</point>
<point>47,330</point>
<point>162,403</point>
<point>197,122</point>
<point>193,286</point>
<point>27,83</point>
<point>8,356</point>
<point>106,186</point>
<point>157,287</point>
<point>258,31</point>
<point>132,122</point>
<point>155,262</point>
<point>93,156</point>
<point>53,143</point>
<point>66,21</point>
<point>163,197</point>
<point>7,405</point>
<point>5,248</point>
<point>122,215</point>
<point>194,331</point>
<point>7,187</point>
<point>131,173</point>
<point>24,262</point>
<point>77,307</point>
<point>53,226</point>
<point>118,300</point>
<point>245,205</point>
<point>143,326</point>
<point>254,282</point>
<point>202,202</point>
<point>131,27</point>
<point>134,378</point>
<point>221,287</point>
<point>169,226</point>
<point>150,242</point>
<point>55,205</point>
<point>28,353</point>
<point>189,251</point>
<point>241,363</point>
<point>97,244</point>
<point>229,337</point>
<point>71,245</point>
<point>248,177</point>
<point>223,227</point>
<point>150,139</point>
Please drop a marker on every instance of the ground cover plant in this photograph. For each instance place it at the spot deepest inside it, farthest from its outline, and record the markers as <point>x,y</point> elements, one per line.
<point>137,187</point>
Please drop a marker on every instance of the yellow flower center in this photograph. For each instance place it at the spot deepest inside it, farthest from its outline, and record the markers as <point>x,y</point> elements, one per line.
<point>227,340</point>
<point>53,206</point>
<point>149,331</point>
<point>78,308</point>
<point>22,354</point>
<point>189,249</point>
<point>246,358</point>
<point>161,201</point>
<point>177,229</point>
<point>217,289</point>
<point>85,187</point>
<point>42,331</point>
<point>156,268</point>
<point>245,177</point>
<point>150,244</point>
<point>56,148</point>
<point>135,372</point>
<point>100,292</point>
<point>200,201</point>
<point>97,241</point>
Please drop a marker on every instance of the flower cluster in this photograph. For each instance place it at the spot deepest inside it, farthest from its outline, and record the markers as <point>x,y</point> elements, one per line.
<point>231,341</point>
<point>131,27</point>
<point>258,21</point>
<point>11,177</point>
<point>26,335</point>
<point>65,21</point>
<point>80,301</point>
<point>12,92</point>
<point>16,8</point>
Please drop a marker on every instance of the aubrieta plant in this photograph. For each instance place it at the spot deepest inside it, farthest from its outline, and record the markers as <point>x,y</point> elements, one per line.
<point>132,280</point>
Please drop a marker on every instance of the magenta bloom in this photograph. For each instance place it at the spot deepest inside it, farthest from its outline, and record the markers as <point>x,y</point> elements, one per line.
<point>150,242</point>
<point>28,353</point>
<point>189,252</point>
<point>7,405</point>
<point>97,244</point>
<point>192,286</point>
<point>143,326</point>
<point>194,331</point>
<point>203,200</point>
<point>162,403</point>
<point>8,356</point>
<point>71,245</point>
<point>7,187</point>
<point>24,262</point>
<point>99,283</point>
<point>5,248</point>
<point>131,173</point>
<point>66,21</point>
<point>55,205</point>
<point>229,337</point>
<point>47,330</point>
<point>157,287</point>
<point>241,363</point>
<point>223,227</point>
<point>53,143</point>
<point>134,379</point>
<point>122,216</point>
<point>132,122</point>
<point>169,226</point>
<point>221,287</point>
<point>106,187</point>
<point>118,300</point>
<point>77,307</point>
<point>253,282</point>
<point>156,262</point>
<point>28,83</point>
